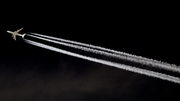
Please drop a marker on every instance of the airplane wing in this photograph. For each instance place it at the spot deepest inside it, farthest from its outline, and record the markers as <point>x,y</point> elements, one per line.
<point>19,30</point>
<point>14,37</point>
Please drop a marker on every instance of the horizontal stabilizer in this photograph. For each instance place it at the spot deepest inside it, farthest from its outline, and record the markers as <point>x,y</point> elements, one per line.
<point>23,35</point>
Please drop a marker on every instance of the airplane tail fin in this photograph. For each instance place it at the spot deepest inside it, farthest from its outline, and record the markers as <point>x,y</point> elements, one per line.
<point>23,35</point>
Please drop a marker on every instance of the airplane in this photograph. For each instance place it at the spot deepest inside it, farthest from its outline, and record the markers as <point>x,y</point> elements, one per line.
<point>16,33</point>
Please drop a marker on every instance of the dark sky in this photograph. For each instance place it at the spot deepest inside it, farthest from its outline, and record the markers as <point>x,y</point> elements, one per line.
<point>31,73</point>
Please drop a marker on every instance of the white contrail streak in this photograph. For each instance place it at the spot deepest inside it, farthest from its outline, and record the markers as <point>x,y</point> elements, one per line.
<point>123,56</point>
<point>113,64</point>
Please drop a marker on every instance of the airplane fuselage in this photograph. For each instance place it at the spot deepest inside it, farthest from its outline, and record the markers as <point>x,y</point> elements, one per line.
<point>14,33</point>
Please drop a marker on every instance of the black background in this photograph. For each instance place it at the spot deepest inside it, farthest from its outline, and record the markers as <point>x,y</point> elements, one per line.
<point>31,73</point>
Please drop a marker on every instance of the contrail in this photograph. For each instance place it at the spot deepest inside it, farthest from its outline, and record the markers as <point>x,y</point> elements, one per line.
<point>109,63</point>
<point>127,57</point>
